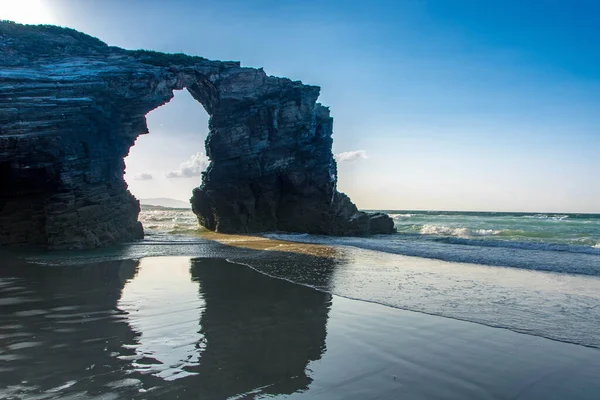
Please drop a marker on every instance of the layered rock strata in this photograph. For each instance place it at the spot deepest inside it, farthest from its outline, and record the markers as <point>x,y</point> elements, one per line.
<point>71,107</point>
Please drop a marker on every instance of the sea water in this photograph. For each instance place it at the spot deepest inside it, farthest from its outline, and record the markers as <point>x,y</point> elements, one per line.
<point>537,274</point>
<point>539,241</point>
<point>547,242</point>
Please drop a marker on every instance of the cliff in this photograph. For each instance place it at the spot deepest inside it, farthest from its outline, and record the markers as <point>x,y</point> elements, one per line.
<point>72,106</point>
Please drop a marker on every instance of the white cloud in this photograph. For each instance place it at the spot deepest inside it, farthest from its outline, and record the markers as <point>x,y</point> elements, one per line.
<point>351,156</point>
<point>191,168</point>
<point>144,176</point>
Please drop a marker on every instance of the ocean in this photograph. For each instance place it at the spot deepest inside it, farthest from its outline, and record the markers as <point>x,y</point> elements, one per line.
<point>539,241</point>
<point>453,305</point>
<point>535,273</point>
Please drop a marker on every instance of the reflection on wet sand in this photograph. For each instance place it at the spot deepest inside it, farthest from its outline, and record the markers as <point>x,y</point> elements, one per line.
<point>209,329</point>
<point>260,332</point>
<point>163,308</point>
<point>59,327</point>
<point>161,327</point>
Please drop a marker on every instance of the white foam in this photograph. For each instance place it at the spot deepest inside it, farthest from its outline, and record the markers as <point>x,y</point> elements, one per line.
<point>548,217</point>
<point>401,216</point>
<point>460,232</point>
<point>486,232</point>
<point>169,221</point>
<point>444,230</point>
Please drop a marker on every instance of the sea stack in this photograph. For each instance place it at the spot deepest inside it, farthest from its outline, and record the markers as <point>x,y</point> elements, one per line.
<point>72,106</point>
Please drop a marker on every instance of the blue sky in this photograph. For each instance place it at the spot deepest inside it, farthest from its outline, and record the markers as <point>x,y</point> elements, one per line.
<point>459,105</point>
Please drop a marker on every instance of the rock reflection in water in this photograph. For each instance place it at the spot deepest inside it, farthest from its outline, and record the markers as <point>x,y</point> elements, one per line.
<point>260,332</point>
<point>158,328</point>
<point>58,327</point>
<point>164,308</point>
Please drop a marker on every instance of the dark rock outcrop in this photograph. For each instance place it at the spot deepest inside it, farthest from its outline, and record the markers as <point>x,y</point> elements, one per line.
<point>71,107</point>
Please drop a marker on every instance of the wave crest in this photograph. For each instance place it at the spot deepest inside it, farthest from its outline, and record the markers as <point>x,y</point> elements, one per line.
<point>556,217</point>
<point>401,216</point>
<point>458,232</point>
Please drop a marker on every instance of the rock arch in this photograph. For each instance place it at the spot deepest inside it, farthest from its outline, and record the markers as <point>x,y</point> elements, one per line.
<point>71,107</point>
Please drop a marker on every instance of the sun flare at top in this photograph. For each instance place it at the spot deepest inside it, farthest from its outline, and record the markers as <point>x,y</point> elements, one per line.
<point>26,11</point>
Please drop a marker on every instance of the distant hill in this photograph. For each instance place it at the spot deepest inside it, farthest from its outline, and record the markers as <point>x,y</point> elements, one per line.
<point>165,202</point>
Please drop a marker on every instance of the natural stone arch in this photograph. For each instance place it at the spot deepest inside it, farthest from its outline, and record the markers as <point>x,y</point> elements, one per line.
<point>71,107</point>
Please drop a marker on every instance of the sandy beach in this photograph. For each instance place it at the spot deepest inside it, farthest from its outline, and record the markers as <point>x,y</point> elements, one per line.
<point>182,327</point>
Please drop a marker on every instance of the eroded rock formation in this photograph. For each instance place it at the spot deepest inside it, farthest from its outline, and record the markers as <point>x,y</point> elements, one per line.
<point>71,107</point>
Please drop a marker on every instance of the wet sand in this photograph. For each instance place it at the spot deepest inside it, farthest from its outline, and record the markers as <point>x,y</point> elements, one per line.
<point>178,327</point>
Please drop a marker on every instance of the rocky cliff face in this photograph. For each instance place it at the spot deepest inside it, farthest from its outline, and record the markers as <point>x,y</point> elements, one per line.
<point>71,107</point>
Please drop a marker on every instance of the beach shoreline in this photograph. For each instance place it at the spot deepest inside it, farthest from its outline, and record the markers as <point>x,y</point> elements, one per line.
<point>556,306</point>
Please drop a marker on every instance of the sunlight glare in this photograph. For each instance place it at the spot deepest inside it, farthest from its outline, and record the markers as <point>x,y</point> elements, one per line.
<point>26,11</point>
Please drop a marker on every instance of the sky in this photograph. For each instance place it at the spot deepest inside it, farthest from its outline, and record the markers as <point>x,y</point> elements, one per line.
<point>437,105</point>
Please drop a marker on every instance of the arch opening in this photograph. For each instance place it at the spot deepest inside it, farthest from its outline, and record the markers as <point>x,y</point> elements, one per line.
<point>165,165</point>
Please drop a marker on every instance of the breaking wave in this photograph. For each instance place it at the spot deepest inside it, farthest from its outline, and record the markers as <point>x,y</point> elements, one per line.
<point>400,216</point>
<point>459,232</point>
<point>160,220</point>
<point>548,217</point>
